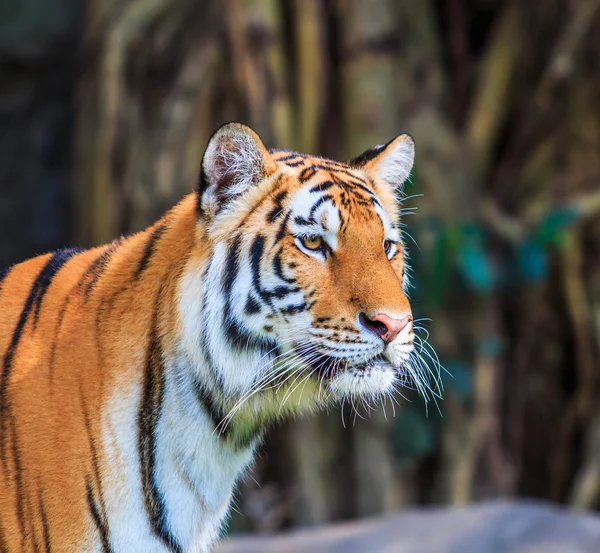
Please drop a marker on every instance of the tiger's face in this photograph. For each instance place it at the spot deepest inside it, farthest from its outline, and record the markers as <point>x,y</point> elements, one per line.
<point>342,252</point>
<point>307,274</point>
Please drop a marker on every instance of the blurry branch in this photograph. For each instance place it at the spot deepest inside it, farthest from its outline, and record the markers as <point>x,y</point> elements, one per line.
<point>490,103</point>
<point>533,119</point>
<point>371,72</point>
<point>311,447</point>
<point>310,72</point>
<point>456,11</point>
<point>484,467</point>
<point>579,409</point>
<point>378,485</point>
<point>585,493</point>
<point>246,80</point>
<point>187,125</point>
<point>121,32</point>
<point>267,14</point>
<point>578,306</point>
<point>561,64</point>
<point>586,488</point>
<point>514,230</point>
<point>254,35</point>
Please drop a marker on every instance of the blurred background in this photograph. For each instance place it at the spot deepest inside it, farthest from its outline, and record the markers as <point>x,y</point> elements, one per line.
<point>106,107</point>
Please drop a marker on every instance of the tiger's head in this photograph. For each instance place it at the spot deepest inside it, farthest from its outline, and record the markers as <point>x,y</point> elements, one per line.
<point>303,277</point>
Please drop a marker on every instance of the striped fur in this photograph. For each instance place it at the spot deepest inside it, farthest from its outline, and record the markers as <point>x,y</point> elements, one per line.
<point>137,378</point>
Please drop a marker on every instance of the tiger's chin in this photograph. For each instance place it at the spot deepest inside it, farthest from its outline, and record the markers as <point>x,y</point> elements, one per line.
<point>370,380</point>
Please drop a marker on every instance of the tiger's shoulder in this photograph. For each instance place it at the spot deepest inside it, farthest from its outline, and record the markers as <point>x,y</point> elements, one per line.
<point>39,285</point>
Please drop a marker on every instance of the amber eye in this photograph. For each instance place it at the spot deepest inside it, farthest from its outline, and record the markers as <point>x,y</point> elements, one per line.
<point>388,247</point>
<point>312,242</point>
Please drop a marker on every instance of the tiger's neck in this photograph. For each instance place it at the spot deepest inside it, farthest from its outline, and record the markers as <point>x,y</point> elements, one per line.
<point>196,466</point>
<point>188,464</point>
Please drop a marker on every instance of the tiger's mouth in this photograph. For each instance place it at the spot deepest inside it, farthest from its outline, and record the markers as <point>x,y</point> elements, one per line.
<point>328,367</point>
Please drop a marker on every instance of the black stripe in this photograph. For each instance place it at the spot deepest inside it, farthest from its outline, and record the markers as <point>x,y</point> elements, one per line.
<point>368,155</point>
<point>95,512</point>
<point>202,183</point>
<point>256,252</point>
<point>201,187</point>
<point>218,379</point>
<point>32,534</point>
<point>319,203</point>
<point>95,462</point>
<point>95,270</point>
<point>278,209</point>
<point>45,525</point>
<point>278,270</point>
<point>237,335</point>
<point>274,214</point>
<point>240,338</point>
<point>299,220</point>
<point>366,189</point>
<point>149,250</point>
<point>331,170</point>
<point>35,297</point>
<point>232,265</point>
<point>321,187</point>
<point>281,292</point>
<point>45,278</point>
<point>214,411</point>
<point>289,157</point>
<point>293,309</point>
<point>295,163</point>
<point>19,492</point>
<point>148,417</point>
<point>332,164</point>
<point>307,173</point>
<point>229,432</point>
<point>61,317</point>
<point>3,546</point>
<point>352,185</point>
<point>283,227</point>
<point>252,307</point>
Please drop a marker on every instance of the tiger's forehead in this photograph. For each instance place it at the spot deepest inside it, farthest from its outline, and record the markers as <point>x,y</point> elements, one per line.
<point>308,166</point>
<point>331,195</point>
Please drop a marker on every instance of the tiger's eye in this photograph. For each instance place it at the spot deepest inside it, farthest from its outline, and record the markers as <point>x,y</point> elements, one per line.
<point>387,246</point>
<point>312,242</point>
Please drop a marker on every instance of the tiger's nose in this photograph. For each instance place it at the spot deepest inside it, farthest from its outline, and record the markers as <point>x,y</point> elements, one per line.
<point>384,326</point>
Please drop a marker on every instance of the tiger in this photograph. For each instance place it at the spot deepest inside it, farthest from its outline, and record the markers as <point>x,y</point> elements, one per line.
<point>138,378</point>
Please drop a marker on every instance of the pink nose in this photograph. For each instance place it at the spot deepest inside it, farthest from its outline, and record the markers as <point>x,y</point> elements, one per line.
<point>384,326</point>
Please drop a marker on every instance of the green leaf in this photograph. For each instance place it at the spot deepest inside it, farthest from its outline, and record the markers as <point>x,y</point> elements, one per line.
<point>473,262</point>
<point>551,228</point>
<point>532,260</point>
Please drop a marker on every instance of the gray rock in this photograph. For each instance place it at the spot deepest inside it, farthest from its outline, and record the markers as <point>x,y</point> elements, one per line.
<point>493,527</point>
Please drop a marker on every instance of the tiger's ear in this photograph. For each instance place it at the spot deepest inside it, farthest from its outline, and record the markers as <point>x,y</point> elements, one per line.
<point>391,162</point>
<point>234,161</point>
